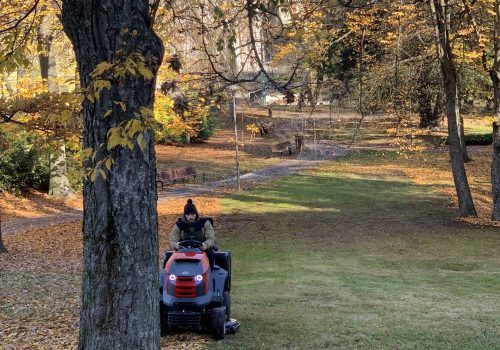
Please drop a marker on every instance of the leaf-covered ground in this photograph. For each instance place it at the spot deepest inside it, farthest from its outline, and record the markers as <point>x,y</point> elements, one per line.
<point>358,254</point>
<point>40,284</point>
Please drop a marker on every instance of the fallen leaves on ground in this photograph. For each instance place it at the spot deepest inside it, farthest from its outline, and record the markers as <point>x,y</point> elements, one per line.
<point>40,281</point>
<point>432,168</point>
<point>35,204</point>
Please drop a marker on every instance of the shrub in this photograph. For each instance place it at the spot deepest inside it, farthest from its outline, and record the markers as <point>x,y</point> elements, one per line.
<point>208,125</point>
<point>198,120</point>
<point>22,163</point>
<point>477,139</point>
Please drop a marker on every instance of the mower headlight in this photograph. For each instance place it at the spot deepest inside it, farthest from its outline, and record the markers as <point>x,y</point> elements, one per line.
<point>171,277</point>
<point>199,278</point>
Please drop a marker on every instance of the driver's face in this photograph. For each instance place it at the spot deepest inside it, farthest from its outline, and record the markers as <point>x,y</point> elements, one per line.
<point>190,217</point>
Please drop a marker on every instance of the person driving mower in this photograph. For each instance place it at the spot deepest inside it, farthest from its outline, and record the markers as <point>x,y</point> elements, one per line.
<point>193,227</point>
<point>195,281</point>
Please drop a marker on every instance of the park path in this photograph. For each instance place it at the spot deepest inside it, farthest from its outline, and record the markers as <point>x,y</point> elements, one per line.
<point>316,154</point>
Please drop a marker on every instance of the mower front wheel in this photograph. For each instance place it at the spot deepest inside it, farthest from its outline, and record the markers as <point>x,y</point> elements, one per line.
<point>218,323</point>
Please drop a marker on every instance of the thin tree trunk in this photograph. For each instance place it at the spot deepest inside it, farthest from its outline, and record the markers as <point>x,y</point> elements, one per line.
<point>2,246</point>
<point>438,107</point>
<point>495,77</point>
<point>120,299</point>
<point>8,85</point>
<point>58,183</point>
<point>462,141</point>
<point>439,9</point>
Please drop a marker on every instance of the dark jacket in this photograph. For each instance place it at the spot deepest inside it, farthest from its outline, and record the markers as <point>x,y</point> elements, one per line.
<point>200,230</point>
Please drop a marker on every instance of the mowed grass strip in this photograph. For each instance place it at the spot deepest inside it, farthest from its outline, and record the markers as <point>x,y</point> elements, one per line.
<point>330,260</point>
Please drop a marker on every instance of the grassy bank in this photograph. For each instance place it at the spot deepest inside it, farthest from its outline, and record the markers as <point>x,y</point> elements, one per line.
<point>339,261</point>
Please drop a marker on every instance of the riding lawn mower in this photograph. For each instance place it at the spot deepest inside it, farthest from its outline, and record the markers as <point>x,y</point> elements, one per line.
<point>196,295</point>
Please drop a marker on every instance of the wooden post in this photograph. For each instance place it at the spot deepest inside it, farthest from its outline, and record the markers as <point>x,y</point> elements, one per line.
<point>236,144</point>
<point>242,128</point>
<point>2,246</point>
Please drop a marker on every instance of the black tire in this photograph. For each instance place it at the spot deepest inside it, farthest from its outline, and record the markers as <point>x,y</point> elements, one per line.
<point>163,319</point>
<point>227,304</point>
<point>218,323</point>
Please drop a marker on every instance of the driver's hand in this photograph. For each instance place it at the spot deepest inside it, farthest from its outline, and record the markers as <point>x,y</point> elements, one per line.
<point>203,246</point>
<point>177,246</point>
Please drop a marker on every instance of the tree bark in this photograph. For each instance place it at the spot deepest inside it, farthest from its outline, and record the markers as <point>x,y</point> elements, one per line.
<point>495,77</point>
<point>120,280</point>
<point>440,11</point>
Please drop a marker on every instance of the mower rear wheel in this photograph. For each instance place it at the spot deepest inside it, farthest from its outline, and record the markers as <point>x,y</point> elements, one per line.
<point>227,304</point>
<point>218,323</point>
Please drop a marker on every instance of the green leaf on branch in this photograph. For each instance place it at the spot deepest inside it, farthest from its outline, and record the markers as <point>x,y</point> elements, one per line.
<point>141,142</point>
<point>103,174</point>
<point>146,112</point>
<point>146,73</point>
<point>87,153</point>
<point>133,127</point>
<point>101,69</point>
<point>121,104</point>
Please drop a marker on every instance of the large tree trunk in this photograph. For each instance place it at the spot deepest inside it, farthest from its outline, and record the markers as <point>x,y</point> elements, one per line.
<point>120,299</point>
<point>58,183</point>
<point>495,77</point>
<point>439,9</point>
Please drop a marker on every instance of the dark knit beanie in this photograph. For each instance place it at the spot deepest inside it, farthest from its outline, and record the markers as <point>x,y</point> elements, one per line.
<point>190,208</point>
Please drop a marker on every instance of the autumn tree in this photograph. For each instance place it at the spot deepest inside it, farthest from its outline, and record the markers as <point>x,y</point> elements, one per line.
<point>118,56</point>
<point>28,29</point>
<point>495,77</point>
<point>441,11</point>
<point>58,183</point>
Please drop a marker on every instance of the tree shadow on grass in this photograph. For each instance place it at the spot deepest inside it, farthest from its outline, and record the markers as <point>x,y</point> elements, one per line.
<point>330,209</point>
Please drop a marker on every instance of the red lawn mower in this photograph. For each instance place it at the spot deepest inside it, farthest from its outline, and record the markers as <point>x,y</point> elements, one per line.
<point>195,296</point>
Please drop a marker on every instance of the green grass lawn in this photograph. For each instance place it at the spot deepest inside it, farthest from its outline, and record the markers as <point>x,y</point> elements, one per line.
<point>477,126</point>
<point>334,261</point>
<point>347,256</point>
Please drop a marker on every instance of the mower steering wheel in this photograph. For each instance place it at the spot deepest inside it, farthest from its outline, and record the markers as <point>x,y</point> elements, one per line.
<point>190,243</point>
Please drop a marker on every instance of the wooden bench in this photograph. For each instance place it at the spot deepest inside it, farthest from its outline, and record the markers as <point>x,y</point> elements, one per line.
<point>175,175</point>
<point>265,128</point>
<point>284,147</point>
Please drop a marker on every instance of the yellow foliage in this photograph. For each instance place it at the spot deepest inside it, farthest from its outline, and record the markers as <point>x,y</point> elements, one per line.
<point>490,119</point>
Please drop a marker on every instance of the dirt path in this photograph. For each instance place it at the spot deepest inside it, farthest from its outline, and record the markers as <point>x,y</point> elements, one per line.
<point>315,154</point>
